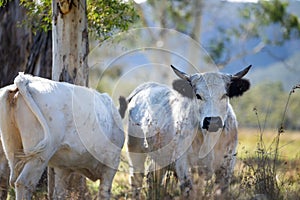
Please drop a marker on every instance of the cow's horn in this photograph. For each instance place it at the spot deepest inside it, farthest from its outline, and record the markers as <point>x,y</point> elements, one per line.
<point>181,74</point>
<point>242,73</point>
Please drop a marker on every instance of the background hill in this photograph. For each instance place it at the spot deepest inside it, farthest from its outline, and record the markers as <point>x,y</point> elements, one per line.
<point>287,72</point>
<point>283,58</point>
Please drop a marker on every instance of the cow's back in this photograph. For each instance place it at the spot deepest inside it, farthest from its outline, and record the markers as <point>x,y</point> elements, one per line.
<point>67,107</point>
<point>74,137</point>
<point>84,124</point>
<point>160,123</point>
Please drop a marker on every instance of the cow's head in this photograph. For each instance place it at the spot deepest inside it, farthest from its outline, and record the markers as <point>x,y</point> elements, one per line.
<point>211,91</point>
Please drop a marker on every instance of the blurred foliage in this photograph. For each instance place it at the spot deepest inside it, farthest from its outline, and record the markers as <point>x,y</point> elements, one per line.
<point>39,15</point>
<point>268,100</point>
<point>177,14</point>
<point>105,17</point>
<point>266,13</point>
<point>110,77</point>
<point>257,21</point>
<point>3,3</point>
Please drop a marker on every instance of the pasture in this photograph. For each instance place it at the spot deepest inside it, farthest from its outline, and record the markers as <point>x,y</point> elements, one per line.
<point>250,168</point>
<point>250,171</point>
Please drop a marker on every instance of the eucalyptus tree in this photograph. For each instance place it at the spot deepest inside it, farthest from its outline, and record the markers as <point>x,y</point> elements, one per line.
<point>69,21</point>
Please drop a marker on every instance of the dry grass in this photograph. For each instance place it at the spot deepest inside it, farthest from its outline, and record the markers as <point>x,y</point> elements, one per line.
<point>268,168</point>
<point>253,175</point>
<point>288,145</point>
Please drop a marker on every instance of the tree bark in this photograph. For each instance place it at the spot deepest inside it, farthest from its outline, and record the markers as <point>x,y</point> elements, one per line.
<point>70,43</point>
<point>15,42</point>
<point>70,50</point>
<point>39,61</point>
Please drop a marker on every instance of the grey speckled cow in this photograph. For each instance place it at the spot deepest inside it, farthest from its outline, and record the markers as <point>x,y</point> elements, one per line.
<point>190,126</point>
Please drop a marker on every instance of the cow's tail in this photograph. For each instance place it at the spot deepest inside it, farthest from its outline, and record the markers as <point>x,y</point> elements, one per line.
<point>22,81</point>
<point>123,101</point>
<point>123,106</point>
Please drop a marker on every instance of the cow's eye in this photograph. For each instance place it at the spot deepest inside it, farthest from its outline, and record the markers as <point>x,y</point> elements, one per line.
<point>199,96</point>
<point>224,96</point>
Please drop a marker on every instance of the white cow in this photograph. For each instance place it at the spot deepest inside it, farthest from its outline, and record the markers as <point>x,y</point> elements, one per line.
<point>4,174</point>
<point>190,126</point>
<point>73,128</point>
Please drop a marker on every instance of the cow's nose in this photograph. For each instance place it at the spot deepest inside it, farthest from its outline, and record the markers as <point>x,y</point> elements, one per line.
<point>212,124</point>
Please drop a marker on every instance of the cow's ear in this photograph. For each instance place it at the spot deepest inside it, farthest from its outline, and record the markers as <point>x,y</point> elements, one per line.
<point>184,88</point>
<point>237,87</point>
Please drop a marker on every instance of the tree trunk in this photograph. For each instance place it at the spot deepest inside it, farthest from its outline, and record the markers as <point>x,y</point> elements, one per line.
<point>70,43</point>
<point>39,62</point>
<point>15,42</point>
<point>70,50</point>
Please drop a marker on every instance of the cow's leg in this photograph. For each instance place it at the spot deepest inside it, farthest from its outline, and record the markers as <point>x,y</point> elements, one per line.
<point>225,167</point>
<point>4,174</point>
<point>58,186</point>
<point>154,180</point>
<point>29,177</point>
<point>62,184</point>
<point>136,159</point>
<point>12,143</point>
<point>223,177</point>
<point>224,173</point>
<point>137,171</point>
<point>184,176</point>
<point>107,176</point>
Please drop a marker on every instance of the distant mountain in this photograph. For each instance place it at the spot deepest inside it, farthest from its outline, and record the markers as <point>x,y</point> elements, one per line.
<point>268,65</point>
<point>287,72</point>
<point>226,14</point>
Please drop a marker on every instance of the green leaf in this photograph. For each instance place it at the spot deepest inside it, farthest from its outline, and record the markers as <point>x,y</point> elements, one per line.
<point>105,17</point>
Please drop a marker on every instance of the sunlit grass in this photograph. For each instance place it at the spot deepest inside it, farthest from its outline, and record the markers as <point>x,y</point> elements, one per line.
<point>288,146</point>
<point>288,175</point>
<point>121,188</point>
<point>263,170</point>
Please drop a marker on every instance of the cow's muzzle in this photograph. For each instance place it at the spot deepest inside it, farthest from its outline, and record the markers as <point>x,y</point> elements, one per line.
<point>212,124</point>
